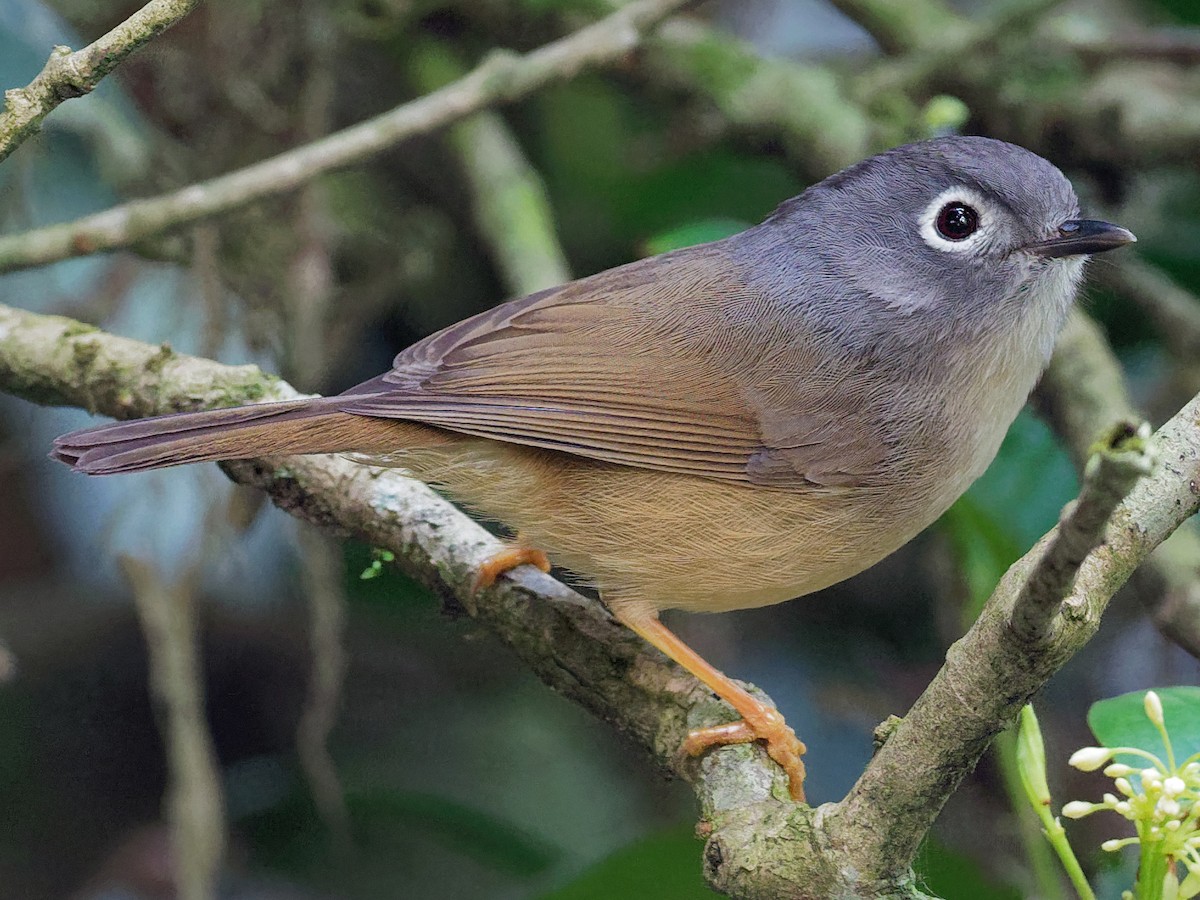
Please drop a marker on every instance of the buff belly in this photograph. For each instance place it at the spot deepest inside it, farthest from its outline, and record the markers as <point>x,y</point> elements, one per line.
<point>651,540</point>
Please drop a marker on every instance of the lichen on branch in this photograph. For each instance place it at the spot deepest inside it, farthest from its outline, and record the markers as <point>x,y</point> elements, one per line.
<point>72,74</point>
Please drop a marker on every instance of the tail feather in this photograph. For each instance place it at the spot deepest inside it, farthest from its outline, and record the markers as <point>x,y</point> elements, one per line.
<point>290,426</point>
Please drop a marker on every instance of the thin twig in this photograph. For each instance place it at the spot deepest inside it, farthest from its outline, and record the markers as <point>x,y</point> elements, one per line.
<point>322,570</point>
<point>1178,46</point>
<point>938,37</point>
<point>1115,467</point>
<point>67,75</point>
<point>195,803</point>
<point>502,78</point>
<point>1082,395</point>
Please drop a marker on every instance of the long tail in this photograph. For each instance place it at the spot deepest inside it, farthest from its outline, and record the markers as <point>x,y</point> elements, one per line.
<point>291,426</point>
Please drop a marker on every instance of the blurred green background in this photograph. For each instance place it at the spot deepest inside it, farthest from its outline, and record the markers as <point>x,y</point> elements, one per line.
<point>462,775</point>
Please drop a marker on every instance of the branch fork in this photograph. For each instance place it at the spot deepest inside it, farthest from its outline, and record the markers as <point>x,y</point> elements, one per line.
<point>759,845</point>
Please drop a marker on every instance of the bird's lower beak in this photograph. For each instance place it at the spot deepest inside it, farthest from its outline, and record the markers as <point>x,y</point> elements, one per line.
<point>1081,236</point>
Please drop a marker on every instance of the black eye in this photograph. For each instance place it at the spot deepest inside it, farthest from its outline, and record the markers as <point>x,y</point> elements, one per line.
<point>956,221</point>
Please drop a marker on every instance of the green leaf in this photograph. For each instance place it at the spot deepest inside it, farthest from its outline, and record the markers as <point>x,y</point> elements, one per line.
<point>1121,722</point>
<point>984,547</point>
<point>947,873</point>
<point>371,582</point>
<point>488,839</point>
<point>693,233</point>
<point>378,558</point>
<point>291,836</point>
<point>665,866</point>
<point>1185,11</point>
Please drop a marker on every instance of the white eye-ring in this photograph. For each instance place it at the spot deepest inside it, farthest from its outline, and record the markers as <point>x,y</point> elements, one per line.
<point>955,220</point>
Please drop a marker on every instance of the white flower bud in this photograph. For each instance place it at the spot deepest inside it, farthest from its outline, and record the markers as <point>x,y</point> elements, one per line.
<point>1168,807</point>
<point>1123,808</point>
<point>1123,785</point>
<point>1174,786</point>
<point>1172,825</point>
<point>1110,800</point>
<point>1151,777</point>
<point>1112,845</point>
<point>1119,770</point>
<point>1077,809</point>
<point>1154,709</point>
<point>1089,759</point>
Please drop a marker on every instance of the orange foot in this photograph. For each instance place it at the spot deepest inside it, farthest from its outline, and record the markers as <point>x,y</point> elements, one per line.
<point>508,558</point>
<point>764,724</point>
<point>759,722</point>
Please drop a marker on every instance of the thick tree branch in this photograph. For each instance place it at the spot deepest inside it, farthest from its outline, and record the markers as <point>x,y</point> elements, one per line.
<point>568,640</point>
<point>503,77</point>
<point>759,845</point>
<point>67,75</point>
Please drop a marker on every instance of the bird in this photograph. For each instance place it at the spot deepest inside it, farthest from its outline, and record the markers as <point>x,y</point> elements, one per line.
<point>728,425</point>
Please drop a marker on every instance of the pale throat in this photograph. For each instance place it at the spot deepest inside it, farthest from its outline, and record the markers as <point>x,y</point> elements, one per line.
<point>995,385</point>
<point>1053,294</point>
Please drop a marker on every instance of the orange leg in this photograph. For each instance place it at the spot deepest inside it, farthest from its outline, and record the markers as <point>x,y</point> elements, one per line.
<point>508,558</point>
<point>759,722</point>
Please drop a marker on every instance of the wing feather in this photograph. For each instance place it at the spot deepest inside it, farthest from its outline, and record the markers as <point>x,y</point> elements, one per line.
<point>650,365</point>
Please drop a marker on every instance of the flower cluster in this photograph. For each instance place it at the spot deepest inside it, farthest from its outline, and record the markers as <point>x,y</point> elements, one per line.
<point>1161,800</point>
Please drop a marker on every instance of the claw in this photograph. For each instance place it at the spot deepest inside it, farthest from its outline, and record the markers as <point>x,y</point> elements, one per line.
<point>508,558</point>
<point>782,744</point>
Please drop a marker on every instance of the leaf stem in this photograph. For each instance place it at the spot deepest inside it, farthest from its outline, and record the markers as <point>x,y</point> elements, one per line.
<point>1030,760</point>
<point>1152,867</point>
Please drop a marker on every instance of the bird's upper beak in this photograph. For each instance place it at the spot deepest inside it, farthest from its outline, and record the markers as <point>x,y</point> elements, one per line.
<point>1080,236</point>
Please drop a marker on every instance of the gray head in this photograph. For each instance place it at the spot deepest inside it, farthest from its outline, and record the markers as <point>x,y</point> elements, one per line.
<point>957,230</point>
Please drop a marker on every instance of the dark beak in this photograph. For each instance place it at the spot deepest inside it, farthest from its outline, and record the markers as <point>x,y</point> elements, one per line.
<point>1082,236</point>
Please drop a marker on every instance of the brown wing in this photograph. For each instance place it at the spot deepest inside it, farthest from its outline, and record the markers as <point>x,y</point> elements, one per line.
<point>630,366</point>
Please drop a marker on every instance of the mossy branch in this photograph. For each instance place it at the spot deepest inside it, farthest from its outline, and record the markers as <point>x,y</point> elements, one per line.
<point>759,845</point>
